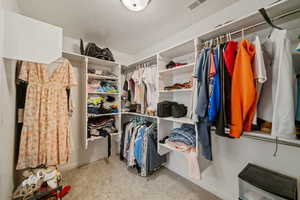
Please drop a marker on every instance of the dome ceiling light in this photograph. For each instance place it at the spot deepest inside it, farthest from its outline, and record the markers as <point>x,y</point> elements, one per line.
<point>136,5</point>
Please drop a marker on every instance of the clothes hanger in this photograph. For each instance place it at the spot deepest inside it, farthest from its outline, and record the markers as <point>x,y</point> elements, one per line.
<point>243,34</point>
<point>263,12</point>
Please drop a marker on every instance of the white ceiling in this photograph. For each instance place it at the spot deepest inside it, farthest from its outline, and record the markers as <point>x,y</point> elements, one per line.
<point>109,23</point>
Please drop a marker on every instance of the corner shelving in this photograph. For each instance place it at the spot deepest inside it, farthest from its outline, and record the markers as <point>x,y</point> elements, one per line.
<point>85,63</point>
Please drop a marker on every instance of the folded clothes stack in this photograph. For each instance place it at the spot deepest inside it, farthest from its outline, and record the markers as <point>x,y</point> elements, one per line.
<point>101,72</point>
<point>101,126</point>
<point>177,86</point>
<point>102,86</point>
<point>102,105</point>
<point>183,138</point>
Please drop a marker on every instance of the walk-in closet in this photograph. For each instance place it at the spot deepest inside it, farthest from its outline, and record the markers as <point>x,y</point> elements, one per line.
<point>149,99</point>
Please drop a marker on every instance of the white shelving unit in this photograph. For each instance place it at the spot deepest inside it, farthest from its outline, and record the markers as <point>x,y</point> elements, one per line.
<point>87,62</point>
<point>183,53</point>
<point>187,53</point>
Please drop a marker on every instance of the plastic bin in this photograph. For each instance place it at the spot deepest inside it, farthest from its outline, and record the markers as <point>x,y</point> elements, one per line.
<point>257,183</point>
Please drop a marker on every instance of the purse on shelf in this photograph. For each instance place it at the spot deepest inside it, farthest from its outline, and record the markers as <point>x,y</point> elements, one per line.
<point>93,50</point>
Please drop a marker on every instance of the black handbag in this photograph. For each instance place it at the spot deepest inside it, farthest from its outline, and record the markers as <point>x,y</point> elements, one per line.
<point>93,50</point>
<point>179,110</point>
<point>164,109</point>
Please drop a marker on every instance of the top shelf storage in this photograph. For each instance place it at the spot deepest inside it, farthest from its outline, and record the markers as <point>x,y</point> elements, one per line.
<point>106,63</point>
<point>93,61</point>
<point>179,50</point>
<point>151,60</point>
<point>275,9</point>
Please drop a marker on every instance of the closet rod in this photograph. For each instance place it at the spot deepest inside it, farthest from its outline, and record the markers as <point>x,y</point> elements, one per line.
<point>281,16</point>
<point>271,140</point>
<point>286,14</point>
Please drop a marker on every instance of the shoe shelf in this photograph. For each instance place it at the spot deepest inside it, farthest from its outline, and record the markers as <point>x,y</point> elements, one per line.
<point>180,69</point>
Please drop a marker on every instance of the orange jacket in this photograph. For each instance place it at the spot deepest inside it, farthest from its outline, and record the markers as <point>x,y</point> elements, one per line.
<point>243,91</point>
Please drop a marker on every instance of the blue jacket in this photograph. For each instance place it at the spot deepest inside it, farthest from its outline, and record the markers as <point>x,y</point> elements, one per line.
<point>215,98</point>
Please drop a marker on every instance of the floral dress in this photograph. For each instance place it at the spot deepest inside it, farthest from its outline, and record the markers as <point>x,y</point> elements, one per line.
<point>45,136</point>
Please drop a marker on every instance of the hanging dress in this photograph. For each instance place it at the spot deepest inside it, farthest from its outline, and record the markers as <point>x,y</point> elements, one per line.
<point>46,130</point>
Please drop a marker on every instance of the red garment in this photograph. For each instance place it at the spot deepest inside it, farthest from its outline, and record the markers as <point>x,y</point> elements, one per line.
<point>230,55</point>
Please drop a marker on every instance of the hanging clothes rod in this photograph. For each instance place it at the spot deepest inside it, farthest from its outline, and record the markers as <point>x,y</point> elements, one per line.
<point>140,65</point>
<point>276,18</point>
<point>271,140</point>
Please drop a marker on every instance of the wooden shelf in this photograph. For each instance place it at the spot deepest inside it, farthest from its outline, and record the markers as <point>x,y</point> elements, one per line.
<point>180,69</point>
<point>177,90</point>
<point>183,120</point>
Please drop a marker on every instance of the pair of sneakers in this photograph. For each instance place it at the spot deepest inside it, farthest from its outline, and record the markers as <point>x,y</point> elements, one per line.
<point>34,180</point>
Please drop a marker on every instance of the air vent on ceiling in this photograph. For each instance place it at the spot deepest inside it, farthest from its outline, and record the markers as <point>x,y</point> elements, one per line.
<point>194,4</point>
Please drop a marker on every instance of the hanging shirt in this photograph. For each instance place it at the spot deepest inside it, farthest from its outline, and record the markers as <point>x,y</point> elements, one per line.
<point>260,74</point>
<point>223,117</point>
<point>215,98</point>
<point>229,56</point>
<point>282,88</point>
<point>265,103</point>
<point>243,91</point>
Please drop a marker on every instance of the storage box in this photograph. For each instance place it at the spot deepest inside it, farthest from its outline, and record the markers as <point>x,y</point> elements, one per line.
<point>257,183</point>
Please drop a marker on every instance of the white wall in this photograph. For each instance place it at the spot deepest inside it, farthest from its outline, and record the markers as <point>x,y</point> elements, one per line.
<point>7,118</point>
<point>72,45</point>
<point>231,156</point>
<point>7,128</point>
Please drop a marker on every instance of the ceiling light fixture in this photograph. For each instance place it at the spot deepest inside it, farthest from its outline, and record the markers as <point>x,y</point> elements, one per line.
<point>136,5</point>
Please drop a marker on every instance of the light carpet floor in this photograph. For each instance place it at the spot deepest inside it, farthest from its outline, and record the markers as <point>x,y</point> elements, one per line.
<point>111,180</point>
